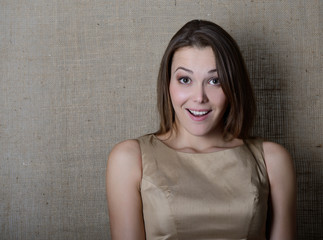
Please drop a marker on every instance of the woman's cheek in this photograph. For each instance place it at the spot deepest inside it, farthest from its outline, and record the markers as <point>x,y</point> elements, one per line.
<point>179,95</point>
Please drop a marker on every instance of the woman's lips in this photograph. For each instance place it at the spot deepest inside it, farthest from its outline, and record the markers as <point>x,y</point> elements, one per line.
<point>198,115</point>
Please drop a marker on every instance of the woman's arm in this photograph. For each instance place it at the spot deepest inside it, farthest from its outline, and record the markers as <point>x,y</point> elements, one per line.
<point>123,179</point>
<point>282,180</point>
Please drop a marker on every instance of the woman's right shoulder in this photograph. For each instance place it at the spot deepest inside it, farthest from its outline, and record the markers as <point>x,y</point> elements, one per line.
<point>123,186</point>
<point>127,147</point>
<point>125,158</point>
<point>128,150</point>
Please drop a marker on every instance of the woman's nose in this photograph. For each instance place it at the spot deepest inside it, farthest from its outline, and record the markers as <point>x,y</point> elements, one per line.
<point>200,94</point>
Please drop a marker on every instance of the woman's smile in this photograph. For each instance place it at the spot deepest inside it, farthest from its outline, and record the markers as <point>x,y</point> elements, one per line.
<point>198,115</point>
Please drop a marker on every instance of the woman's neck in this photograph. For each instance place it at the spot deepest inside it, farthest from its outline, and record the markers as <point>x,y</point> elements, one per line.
<point>182,140</point>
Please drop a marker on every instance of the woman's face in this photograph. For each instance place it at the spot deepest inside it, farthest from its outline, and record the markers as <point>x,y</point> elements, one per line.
<point>196,94</point>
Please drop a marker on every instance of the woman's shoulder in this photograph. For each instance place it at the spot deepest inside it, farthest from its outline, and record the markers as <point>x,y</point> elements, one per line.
<point>282,179</point>
<point>126,148</point>
<point>125,158</point>
<point>130,148</point>
<point>280,165</point>
<point>271,150</point>
<point>275,152</point>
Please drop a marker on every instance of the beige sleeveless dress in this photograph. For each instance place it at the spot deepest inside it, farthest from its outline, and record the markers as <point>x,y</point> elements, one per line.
<point>219,195</point>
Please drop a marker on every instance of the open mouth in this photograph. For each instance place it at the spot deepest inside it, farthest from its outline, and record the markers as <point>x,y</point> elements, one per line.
<point>198,113</point>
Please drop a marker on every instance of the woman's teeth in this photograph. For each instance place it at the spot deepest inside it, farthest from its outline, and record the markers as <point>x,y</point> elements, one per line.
<point>198,113</point>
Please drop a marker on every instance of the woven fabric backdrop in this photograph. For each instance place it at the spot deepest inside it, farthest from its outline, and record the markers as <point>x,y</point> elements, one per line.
<point>79,76</point>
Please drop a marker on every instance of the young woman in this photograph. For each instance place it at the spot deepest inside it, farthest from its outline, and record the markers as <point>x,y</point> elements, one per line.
<point>201,176</point>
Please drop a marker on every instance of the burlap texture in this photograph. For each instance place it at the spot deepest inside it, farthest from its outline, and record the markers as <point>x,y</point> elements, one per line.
<point>79,76</point>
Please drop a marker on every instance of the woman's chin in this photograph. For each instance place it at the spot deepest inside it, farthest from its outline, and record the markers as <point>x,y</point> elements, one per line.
<point>200,132</point>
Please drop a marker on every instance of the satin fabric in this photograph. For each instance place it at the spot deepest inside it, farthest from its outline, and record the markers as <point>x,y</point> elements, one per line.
<point>218,195</point>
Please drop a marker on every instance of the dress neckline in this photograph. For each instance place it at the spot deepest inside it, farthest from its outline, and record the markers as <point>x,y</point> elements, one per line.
<point>164,145</point>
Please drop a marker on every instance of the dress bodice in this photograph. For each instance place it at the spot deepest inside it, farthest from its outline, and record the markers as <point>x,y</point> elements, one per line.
<point>218,195</point>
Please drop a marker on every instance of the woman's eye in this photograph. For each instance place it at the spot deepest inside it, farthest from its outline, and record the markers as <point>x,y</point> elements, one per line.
<point>214,81</point>
<point>184,80</point>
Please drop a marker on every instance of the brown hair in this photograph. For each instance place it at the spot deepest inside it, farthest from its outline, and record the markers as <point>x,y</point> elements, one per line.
<point>232,72</point>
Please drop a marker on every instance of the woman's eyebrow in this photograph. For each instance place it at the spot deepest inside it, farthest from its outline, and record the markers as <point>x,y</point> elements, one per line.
<point>213,70</point>
<point>185,69</point>
<point>190,71</point>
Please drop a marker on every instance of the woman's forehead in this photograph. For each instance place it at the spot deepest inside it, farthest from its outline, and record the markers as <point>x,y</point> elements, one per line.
<point>194,59</point>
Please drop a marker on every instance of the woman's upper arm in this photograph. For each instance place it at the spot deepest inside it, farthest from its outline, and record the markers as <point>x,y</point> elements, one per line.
<point>123,179</point>
<point>282,180</point>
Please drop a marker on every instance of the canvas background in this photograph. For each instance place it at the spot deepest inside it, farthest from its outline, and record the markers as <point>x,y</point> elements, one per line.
<point>79,76</point>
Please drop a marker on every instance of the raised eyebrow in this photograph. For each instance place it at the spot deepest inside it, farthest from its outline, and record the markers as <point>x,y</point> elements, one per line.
<point>190,71</point>
<point>185,69</point>
<point>213,70</point>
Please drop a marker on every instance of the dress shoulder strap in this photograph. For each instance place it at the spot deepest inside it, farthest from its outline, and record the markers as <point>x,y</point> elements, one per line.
<point>255,146</point>
<point>149,155</point>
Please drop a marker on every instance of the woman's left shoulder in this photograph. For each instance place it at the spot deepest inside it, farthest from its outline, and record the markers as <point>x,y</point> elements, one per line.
<point>275,151</point>
<point>278,161</point>
<point>282,180</point>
